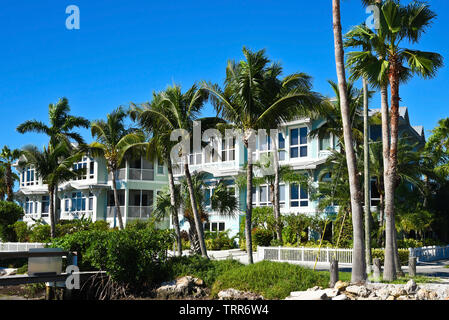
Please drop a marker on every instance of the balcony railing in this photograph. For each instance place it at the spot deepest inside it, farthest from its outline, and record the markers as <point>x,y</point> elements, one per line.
<point>141,174</point>
<point>110,211</point>
<point>139,212</point>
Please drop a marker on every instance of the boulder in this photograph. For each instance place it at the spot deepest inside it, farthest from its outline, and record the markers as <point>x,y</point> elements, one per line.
<point>308,295</point>
<point>411,287</point>
<point>341,285</point>
<point>181,288</point>
<point>233,294</point>
<point>360,291</point>
<point>340,297</point>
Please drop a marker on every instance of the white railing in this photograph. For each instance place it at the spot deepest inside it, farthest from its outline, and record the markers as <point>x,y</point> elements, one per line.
<point>19,246</point>
<point>303,254</point>
<point>426,254</point>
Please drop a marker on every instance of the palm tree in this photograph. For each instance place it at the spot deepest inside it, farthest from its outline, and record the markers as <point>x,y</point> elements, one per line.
<point>114,143</point>
<point>2,183</point>
<point>61,124</point>
<point>7,157</point>
<point>358,261</point>
<point>330,111</point>
<point>160,146</point>
<point>222,201</point>
<point>248,105</point>
<point>173,110</point>
<point>393,64</point>
<point>54,166</point>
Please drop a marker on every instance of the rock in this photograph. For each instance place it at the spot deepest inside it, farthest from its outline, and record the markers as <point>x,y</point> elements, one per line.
<point>198,282</point>
<point>423,294</point>
<point>233,294</point>
<point>2,273</point>
<point>181,288</point>
<point>316,288</point>
<point>361,291</point>
<point>340,285</point>
<point>331,293</point>
<point>340,297</point>
<point>391,298</point>
<point>398,291</point>
<point>308,295</point>
<point>383,293</point>
<point>411,286</point>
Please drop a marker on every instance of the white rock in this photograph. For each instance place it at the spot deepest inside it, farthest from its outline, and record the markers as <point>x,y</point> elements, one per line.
<point>308,295</point>
<point>340,297</point>
<point>411,286</point>
<point>361,291</point>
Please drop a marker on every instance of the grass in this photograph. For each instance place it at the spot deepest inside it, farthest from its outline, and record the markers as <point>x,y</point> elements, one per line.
<point>272,280</point>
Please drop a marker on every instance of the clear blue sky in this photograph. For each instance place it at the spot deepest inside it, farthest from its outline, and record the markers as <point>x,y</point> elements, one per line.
<point>126,49</point>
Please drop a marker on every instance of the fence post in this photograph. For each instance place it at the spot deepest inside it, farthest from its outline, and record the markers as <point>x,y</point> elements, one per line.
<point>302,254</point>
<point>376,269</point>
<point>333,273</point>
<point>412,266</point>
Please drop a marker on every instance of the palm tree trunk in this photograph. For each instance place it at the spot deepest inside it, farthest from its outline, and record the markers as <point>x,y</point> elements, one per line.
<point>397,260</point>
<point>9,183</point>
<point>196,216</point>
<point>116,200</point>
<point>390,177</point>
<point>171,185</point>
<point>249,204</point>
<point>381,220</point>
<point>367,177</point>
<point>358,261</point>
<point>52,211</point>
<point>276,200</point>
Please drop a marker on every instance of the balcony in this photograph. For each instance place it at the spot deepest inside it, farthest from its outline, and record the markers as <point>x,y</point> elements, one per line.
<point>139,212</point>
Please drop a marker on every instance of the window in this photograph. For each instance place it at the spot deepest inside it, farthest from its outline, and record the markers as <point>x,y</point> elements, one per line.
<point>214,226</point>
<point>211,151</point>
<point>325,142</point>
<point>160,168</point>
<point>87,168</point>
<point>375,195</point>
<point>299,196</point>
<point>298,142</point>
<point>78,202</point>
<point>264,194</point>
<point>29,206</point>
<point>228,149</point>
<point>45,205</point>
<point>28,177</point>
<point>121,198</point>
<point>282,195</point>
<point>281,148</point>
<point>207,195</point>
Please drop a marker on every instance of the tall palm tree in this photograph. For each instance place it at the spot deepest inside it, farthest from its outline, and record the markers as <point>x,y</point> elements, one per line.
<point>2,183</point>
<point>393,64</point>
<point>358,261</point>
<point>54,166</point>
<point>160,146</point>
<point>114,143</point>
<point>7,157</point>
<point>248,105</point>
<point>60,127</point>
<point>61,124</point>
<point>171,110</point>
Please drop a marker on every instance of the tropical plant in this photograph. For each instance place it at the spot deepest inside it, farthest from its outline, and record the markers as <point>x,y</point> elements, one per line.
<point>7,158</point>
<point>390,63</point>
<point>114,143</point>
<point>174,110</point>
<point>54,165</point>
<point>255,98</point>
<point>358,260</point>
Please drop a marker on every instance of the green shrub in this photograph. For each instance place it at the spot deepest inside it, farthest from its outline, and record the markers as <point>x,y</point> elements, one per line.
<point>40,233</point>
<point>197,266</point>
<point>10,213</point>
<point>403,256</point>
<point>273,280</point>
<point>22,231</point>
<point>409,243</point>
<point>219,241</point>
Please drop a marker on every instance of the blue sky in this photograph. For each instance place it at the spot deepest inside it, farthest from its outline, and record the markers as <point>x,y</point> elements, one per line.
<point>126,49</point>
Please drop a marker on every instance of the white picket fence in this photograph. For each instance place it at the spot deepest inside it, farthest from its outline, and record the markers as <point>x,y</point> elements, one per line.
<point>19,246</point>
<point>427,254</point>
<point>303,254</point>
<point>344,256</point>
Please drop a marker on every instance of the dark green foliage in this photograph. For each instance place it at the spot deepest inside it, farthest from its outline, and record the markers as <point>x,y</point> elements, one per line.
<point>10,213</point>
<point>262,237</point>
<point>22,231</point>
<point>197,266</point>
<point>219,240</point>
<point>273,280</point>
<point>132,257</point>
<point>403,255</point>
